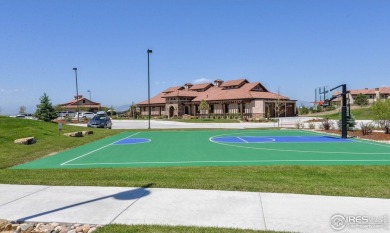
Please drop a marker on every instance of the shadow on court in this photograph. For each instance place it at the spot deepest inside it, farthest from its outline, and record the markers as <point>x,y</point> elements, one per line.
<point>126,195</point>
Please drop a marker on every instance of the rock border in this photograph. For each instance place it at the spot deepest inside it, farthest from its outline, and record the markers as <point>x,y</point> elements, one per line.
<point>39,227</point>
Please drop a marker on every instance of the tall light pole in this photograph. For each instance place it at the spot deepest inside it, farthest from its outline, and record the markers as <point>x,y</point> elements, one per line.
<point>77,97</point>
<point>149,51</point>
<point>90,98</point>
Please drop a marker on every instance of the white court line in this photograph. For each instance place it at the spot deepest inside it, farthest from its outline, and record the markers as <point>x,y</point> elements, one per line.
<point>242,161</point>
<point>242,140</point>
<point>300,151</point>
<point>148,140</point>
<point>65,163</point>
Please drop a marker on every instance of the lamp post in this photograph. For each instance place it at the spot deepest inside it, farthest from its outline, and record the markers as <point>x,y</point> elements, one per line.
<point>90,98</point>
<point>149,51</point>
<point>77,97</point>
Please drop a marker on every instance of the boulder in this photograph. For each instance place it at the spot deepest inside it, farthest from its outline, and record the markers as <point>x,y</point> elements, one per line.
<point>5,225</point>
<point>74,134</point>
<point>87,132</point>
<point>25,141</point>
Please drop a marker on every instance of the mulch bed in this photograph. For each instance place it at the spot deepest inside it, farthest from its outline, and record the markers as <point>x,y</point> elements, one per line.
<point>377,136</point>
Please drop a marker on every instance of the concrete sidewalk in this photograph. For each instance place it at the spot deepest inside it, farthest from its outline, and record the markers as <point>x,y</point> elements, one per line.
<point>286,122</point>
<point>245,210</point>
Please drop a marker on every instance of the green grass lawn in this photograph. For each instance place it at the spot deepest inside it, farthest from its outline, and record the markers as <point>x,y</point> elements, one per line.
<point>171,229</point>
<point>363,113</point>
<point>358,181</point>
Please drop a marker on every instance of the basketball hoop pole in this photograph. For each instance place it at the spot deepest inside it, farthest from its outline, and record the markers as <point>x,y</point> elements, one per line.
<point>344,112</point>
<point>343,95</point>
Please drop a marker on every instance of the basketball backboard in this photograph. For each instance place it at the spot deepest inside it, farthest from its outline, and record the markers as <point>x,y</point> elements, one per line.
<point>321,94</point>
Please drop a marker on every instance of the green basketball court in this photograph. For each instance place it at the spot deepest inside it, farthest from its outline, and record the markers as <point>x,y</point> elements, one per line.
<point>218,148</point>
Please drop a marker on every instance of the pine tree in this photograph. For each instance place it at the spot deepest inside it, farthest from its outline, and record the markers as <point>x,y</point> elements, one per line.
<point>351,122</point>
<point>45,110</point>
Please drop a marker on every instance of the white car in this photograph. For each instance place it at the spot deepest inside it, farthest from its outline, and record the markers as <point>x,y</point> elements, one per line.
<point>85,115</point>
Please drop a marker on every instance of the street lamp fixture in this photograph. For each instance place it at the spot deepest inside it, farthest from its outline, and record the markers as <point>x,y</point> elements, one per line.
<point>90,98</point>
<point>77,97</point>
<point>149,51</point>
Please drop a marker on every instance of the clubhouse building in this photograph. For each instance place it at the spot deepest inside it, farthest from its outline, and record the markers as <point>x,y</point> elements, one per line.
<point>82,103</point>
<point>235,97</point>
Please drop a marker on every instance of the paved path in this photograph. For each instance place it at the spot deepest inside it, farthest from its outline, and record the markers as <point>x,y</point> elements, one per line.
<point>285,122</point>
<point>245,210</point>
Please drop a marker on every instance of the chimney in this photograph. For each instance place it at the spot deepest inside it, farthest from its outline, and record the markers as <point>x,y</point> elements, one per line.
<point>77,97</point>
<point>377,93</point>
<point>188,86</point>
<point>218,82</point>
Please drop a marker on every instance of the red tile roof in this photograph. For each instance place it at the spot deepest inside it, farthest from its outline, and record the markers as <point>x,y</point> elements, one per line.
<point>201,86</point>
<point>362,91</point>
<point>370,91</point>
<point>181,93</point>
<point>233,82</point>
<point>384,90</point>
<point>80,100</point>
<point>155,100</point>
<point>214,93</point>
<point>170,89</point>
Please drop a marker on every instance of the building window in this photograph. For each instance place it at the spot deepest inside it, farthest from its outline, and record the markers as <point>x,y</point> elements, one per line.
<point>163,108</point>
<point>144,109</point>
<point>211,108</point>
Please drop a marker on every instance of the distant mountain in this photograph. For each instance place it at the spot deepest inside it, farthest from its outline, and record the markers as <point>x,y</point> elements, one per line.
<point>122,108</point>
<point>304,103</point>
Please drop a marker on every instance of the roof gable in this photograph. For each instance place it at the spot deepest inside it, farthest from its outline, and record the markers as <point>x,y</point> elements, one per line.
<point>171,89</point>
<point>232,83</point>
<point>201,87</point>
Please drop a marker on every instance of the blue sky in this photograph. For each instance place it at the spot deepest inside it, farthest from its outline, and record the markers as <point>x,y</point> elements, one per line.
<point>290,46</point>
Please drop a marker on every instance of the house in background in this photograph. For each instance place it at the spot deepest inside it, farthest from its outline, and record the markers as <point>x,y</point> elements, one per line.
<point>234,97</point>
<point>372,94</point>
<point>79,102</point>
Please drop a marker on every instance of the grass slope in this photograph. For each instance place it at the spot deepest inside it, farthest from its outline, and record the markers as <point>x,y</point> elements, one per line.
<point>364,113</point>
<point>47,136</point>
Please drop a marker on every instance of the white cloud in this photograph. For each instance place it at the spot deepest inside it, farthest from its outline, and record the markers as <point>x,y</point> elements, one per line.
<point>201,80</point>
<point>11,91</point>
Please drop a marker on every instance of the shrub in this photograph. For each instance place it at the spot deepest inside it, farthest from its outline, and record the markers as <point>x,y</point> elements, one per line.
<point>299,125</point>
<point>366,128</point>
<point>326,124</point>
<point>361,99</point>
<point>312,125</point>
